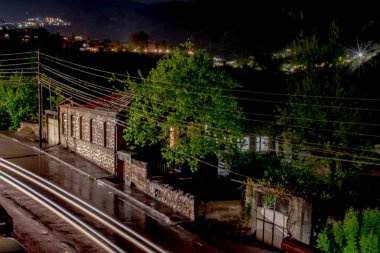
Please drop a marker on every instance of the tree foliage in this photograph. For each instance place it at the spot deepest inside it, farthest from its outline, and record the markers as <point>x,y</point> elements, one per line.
<point>184,99</point>
<point>319,125</point>
<point>19,99</point>
<point>359,232</point>
<point>269,170</point>
<point>137,40</point>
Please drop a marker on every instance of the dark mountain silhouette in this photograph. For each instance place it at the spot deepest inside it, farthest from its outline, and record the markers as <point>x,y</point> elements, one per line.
<point>222,27</point>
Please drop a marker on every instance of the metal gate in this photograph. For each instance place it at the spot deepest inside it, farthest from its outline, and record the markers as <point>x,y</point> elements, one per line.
<point>271,219</point>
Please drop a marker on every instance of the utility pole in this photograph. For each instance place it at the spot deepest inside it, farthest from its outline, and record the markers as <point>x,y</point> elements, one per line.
<point>39,98</point>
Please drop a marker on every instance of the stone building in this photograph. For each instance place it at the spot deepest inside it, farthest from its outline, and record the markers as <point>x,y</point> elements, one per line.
<point>91,131</point>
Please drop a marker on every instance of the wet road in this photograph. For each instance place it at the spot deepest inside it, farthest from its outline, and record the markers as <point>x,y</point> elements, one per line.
<point>171,238</point>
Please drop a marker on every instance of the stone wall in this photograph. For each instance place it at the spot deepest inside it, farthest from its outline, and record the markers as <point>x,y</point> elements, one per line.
<point>94,150</point>
<point>101,156</point>
<point>180,201</point>
<point>35,127</point>
<point>138,173</point>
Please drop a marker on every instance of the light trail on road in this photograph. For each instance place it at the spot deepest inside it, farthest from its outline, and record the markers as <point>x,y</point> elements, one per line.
<point>62,213</point>
<point>119,228</point>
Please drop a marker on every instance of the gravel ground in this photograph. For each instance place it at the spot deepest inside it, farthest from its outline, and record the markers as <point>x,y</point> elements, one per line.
<point>38,229</point>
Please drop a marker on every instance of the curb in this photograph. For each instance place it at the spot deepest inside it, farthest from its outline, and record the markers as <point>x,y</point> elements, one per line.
<point>153,213</point>
<point>138,204</point>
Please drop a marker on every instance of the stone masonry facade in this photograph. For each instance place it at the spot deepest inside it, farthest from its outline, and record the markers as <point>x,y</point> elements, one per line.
<point>138,173</point>
<point>93,134</point>
<point>89,133</point>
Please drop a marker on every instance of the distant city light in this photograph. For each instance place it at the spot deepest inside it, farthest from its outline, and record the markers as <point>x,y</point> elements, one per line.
<point>41,22</point>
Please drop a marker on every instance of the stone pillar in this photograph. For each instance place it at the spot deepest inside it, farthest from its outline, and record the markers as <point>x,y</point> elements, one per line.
<point>299,222</point>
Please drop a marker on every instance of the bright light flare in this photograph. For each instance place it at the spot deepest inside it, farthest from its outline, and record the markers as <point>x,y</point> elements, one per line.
<point>363,53</point>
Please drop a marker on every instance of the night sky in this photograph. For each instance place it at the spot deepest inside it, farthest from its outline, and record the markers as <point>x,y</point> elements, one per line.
<point>240,25</point>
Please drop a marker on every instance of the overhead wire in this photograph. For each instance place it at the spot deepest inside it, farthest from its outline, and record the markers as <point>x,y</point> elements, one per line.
<point>293,117</point>
<point>19,53</point>
<point>242,174</point>
<point>87,99</point>
<point>32,72</point>
<point>303,127</point>
<point>224,89</point>
<point>175,151</point>
<point>75,80</point>
<point>260,100</point>
<point>19,72</point>
<point>19,59</point>
<point>223,96</point>
<point>329,158</point>
<point>310,149</point>
<point>17,64</point>
<point>17,69</point>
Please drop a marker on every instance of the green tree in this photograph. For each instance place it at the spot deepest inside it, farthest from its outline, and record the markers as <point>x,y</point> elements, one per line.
<point>182,106</point>
<point>359,232</point>
<point>318,125</point>
<point>138,40</point>
<point>19,99</point>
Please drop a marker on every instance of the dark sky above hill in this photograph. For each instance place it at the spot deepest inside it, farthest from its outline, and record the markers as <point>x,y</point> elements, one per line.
<point>239,26</point>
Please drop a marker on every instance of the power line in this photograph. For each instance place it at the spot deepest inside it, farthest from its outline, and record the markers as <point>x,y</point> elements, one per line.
<point>321,157</point>
<point>352,122</point>
<point>310,149</point>
<point>329,158</point>
<point>86,67</point>
<point>232,114</point>
<point>16,69</point>
<point>238,98</point>
<point>192,85</point>
<point>83,71</point>
<point>12,54</point>
<point>75,80</point>
<point>19,72</point>
<point>16,64</point>
<point>325,130</point>
<point>19,59</point>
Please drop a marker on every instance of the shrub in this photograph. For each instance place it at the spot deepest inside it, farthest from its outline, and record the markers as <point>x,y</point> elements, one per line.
<point>359,232</point>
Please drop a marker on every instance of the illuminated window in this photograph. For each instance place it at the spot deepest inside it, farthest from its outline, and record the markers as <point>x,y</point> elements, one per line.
<point>262,143</point>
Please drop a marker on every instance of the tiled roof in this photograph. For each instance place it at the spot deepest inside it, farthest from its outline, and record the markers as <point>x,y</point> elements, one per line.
<point>115,102</point>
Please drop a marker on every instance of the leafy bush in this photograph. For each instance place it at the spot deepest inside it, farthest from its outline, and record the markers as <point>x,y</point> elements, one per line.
<point>359,232</point>
<point>19,99</point>
<point>269,170</point>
